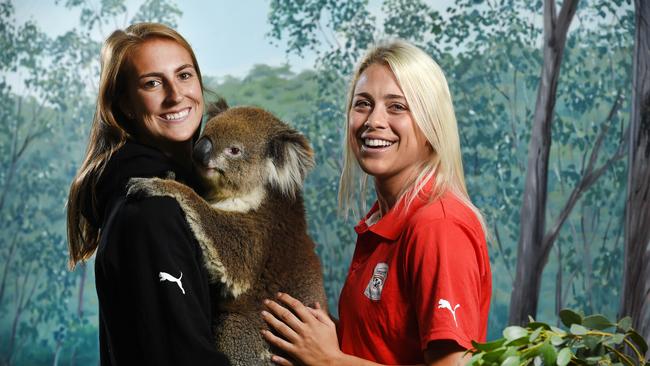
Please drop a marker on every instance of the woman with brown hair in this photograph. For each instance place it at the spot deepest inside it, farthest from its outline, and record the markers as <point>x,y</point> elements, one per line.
<point>154,297</point>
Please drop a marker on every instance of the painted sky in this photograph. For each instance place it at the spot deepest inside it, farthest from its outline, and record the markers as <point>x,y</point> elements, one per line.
<point>227,36</point>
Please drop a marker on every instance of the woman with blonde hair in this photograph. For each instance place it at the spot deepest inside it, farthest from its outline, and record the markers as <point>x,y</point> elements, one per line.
<point>154,297</point>
<point>419,285</point>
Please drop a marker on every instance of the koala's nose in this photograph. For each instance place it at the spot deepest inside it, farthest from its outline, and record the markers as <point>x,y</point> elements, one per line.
<point>202,151</point>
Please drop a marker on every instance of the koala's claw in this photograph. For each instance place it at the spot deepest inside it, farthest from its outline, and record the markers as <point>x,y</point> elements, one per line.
<point>141,187</point>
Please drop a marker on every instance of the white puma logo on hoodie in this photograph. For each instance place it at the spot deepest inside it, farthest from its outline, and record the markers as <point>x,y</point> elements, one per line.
<point>164,276</point>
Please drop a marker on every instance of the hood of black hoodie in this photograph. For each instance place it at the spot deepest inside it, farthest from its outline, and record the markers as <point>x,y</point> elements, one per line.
<point>130,161</point>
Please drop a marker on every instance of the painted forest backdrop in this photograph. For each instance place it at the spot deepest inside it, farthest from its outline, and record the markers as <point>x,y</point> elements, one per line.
<point>552,103</point>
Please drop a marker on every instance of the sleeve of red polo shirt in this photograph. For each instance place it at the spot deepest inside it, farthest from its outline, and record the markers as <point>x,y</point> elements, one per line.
<point>443,269</point>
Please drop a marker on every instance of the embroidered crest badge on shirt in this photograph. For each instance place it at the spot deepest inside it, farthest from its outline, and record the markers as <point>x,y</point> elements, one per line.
<point>376,283</point>
<point>444,304</point>
<point>164,276</point>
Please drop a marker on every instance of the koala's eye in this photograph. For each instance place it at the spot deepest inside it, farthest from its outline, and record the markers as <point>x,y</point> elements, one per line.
<point>233,151</point>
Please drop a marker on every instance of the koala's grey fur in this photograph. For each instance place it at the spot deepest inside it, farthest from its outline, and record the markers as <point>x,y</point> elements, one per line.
<point>250,223</point>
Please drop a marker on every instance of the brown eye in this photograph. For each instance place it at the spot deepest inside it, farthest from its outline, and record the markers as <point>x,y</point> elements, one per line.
<point>233,151</point>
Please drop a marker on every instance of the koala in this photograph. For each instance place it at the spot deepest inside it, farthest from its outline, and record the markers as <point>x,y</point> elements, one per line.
<point>249,222</point>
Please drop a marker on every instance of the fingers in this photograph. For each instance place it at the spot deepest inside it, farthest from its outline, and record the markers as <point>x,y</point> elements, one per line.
<point>276,341</point>
<point>281,361</point>
<point>294,304</point>
<point>282,325</point>
<point>321,316</point>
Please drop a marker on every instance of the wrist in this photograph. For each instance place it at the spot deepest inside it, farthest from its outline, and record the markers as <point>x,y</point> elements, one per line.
<point>339,359</point>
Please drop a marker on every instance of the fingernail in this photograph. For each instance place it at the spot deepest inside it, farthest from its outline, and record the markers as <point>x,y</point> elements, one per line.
<point>266,301</point>
<point>278,294</point>
<point>264,313</point>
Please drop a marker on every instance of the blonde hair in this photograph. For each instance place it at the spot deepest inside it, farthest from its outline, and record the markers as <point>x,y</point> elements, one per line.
<point>427,94</point>
<point>109,131</point>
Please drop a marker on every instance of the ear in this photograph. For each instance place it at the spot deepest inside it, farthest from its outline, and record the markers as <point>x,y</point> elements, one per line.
<point>289,159</point>
<point>217,107</point>
<point>125,108</point>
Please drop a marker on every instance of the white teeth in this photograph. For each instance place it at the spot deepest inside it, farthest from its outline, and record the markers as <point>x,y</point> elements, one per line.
<point>376,142</point>
<point>175,116</point>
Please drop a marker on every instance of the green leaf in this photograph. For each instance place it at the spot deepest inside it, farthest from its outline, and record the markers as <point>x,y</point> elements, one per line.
<point>564,356</point>
<point>578,329</point>
<point>514,332</point>
<point>570,317</point>
<point>511,361</point>
<point>625,324</point>
<point>548,353</point>
<point>615,339</point>
<point>597,322</point>
<point>557,340</point>
<point>495,355</point>
<point>636,338</point>
<point>535,325</point>
<point>518,342</point>
<point>592,341</point>
<point>510,351</point>
<point>558,330</point>
<point>535,334</point>
<point>489,346</point>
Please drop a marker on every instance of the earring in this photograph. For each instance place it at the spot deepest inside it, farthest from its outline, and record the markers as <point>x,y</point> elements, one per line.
<point>366,123</point>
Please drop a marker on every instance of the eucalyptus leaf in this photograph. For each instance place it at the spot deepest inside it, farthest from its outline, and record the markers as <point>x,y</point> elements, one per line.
<point>518,342</point>
<point>564,356</point>
<point>557,340</point>
<point>535,325</point>
<point>494,355</point>
<point>558,330</point>
<point>592,341</point>
<point>533,336</point>
<point>625,323</point>
<point>597,321</point>
<point>511,361</point>
<point>615,339</point>
<point>548,353</point>
<point>578,329</point>
<point>514,332</point>
<point>570,317</point>
<point>489,346</point>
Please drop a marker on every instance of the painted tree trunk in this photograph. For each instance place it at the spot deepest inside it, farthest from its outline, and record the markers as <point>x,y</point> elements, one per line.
<point>635,299</point>
<point>532,251</point>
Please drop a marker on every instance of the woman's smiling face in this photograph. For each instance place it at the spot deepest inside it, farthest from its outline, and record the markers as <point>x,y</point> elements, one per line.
<point>383,135</point>
<point>164,93</point>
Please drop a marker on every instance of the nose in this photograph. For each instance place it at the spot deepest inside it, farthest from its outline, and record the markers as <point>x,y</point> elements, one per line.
<point>376,119</point>
<point>174,94</point>
<point>202,151</point>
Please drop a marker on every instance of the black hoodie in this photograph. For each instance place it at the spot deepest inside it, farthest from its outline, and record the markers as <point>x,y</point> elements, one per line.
<point>154,297</point>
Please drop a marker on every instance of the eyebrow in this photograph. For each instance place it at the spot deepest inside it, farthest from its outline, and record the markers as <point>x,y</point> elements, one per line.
<point>386,96</point>
<point>182,67</point>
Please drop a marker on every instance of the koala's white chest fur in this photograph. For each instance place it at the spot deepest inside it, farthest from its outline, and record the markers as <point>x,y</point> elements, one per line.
<point>242,204</point>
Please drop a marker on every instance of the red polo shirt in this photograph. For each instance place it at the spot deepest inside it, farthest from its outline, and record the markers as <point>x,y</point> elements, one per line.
<point>417,275</point>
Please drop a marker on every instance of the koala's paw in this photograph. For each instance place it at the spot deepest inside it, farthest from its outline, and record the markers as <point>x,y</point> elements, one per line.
<point>144,187</point>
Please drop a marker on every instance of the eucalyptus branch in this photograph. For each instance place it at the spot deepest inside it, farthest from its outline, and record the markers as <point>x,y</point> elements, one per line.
<point>620,355</point>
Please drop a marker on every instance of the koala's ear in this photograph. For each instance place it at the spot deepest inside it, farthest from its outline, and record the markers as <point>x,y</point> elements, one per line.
<point>217,107</point>
<point>289,159</point>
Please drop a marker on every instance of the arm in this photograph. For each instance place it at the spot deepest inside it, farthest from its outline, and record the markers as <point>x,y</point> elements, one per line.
<point>310,338</point>
<point>236,259</point>
<point>171,320</point>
